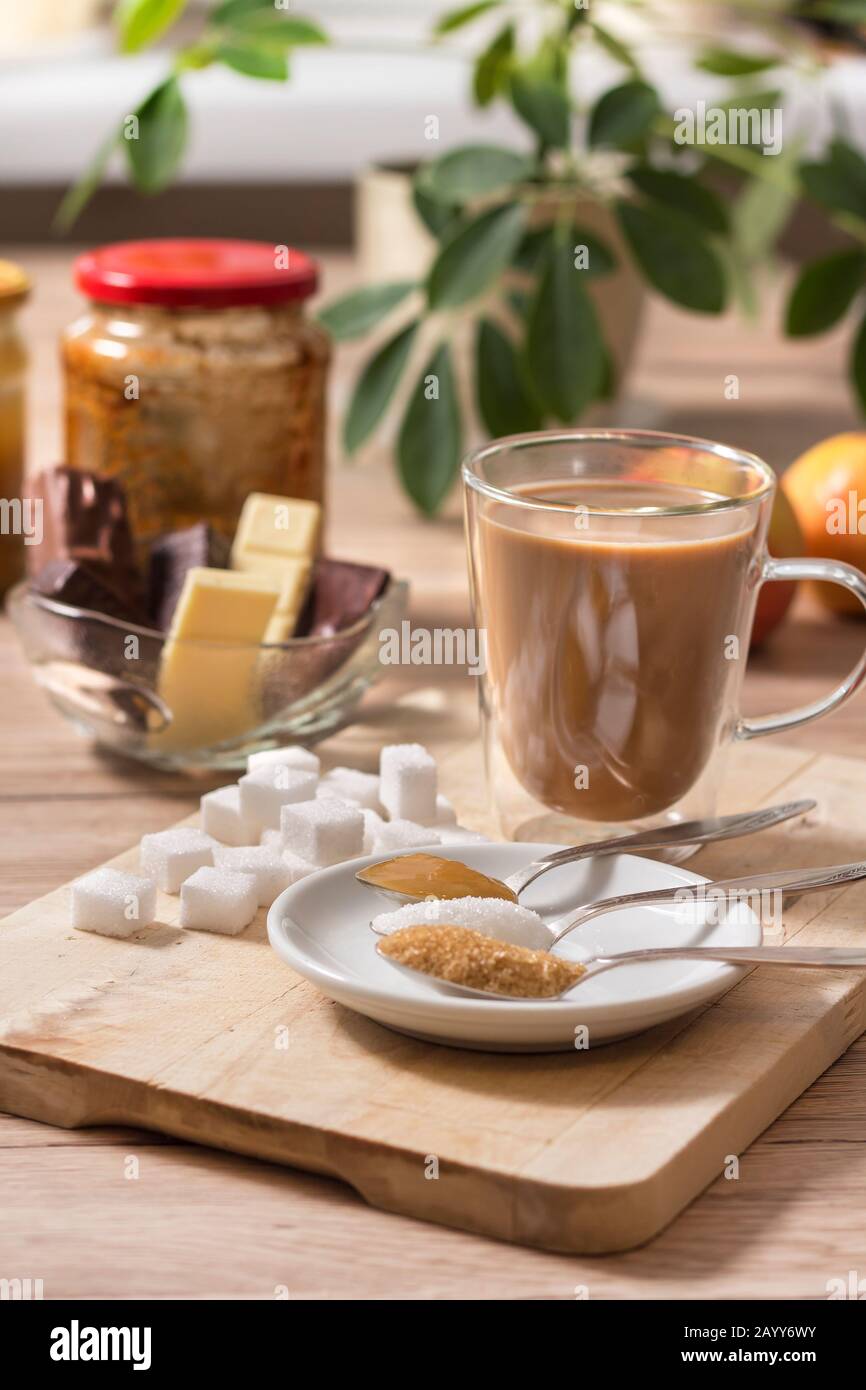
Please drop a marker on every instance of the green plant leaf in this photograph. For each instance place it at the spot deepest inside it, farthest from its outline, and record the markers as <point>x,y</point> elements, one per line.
<point>440,219</point>
<point>254,60</point>
<point>356,313</point>
<point>473,171</point>
<point>838,182</point>
<point>376,386</point>
<point>565,353</point>
<point>759,216</point>
<point>162,126</point>
<point>428,446</point>
<point>475,257</point>
<point>614,47</point>
<point>842,11</point>
<point>455,19</point>
<point>140,22</point>
<point>504,404</point>
<point>823,292</point>
<point>493,67</point>
<point>623,116</point>
<point>532,250</point>
<point>675,256</point>
<point>858,365</point>
<point>267,24</point>
<point>78,196</point>
<point>682,192</point>
<point>726,62</point>
<point>543,105</point>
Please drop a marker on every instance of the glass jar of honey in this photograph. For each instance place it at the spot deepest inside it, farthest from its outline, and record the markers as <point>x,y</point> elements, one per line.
<point>195,377</point>
<point>14,288</point>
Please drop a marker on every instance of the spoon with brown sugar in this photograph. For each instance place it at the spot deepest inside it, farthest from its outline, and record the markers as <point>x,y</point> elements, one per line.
<point>484,968</point>
<point>412,877</point>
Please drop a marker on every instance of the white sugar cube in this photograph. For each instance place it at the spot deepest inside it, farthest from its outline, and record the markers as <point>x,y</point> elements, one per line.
<point>407,783</point>
<point>265,792</point>
<point>113,903</point>
<point>492,916</point>
<point>218,900</point>
<point>273,839</point>
<point>221,817</point>
<point>350,785</point>
<point>373,823</point>
<point>299,758</point>
<point>170,856</point>
<point>403,834</point>
<point>265,865</point>
<point>323,832</point>
<point>297,867</point>
<point>459,835</point>
<point>445,813</point>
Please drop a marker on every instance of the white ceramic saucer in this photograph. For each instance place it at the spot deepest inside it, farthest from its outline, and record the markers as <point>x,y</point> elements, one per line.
<point>320,927</point>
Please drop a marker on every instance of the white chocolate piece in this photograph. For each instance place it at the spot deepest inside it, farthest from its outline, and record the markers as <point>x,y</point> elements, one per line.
<point>272,529</point>
<point>209,659</point>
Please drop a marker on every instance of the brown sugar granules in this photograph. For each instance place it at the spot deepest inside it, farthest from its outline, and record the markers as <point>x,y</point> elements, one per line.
<point>465,957</point>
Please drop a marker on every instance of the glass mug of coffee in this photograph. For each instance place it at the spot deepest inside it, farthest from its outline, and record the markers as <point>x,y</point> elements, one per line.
<point>615,575</point>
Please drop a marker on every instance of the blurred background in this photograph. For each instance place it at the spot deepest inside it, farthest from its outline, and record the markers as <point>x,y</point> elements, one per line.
<point>335,135</point>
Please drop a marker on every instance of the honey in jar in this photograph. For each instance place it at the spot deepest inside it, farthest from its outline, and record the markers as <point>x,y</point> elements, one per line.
<point>14,288</point>
<point>195,377</point>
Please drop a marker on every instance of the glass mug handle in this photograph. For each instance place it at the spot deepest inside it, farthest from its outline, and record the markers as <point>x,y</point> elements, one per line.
<point>833,572</point>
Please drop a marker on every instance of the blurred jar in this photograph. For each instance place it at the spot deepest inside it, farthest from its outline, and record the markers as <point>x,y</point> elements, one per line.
<point>196,377</point>
<point>14,289</point>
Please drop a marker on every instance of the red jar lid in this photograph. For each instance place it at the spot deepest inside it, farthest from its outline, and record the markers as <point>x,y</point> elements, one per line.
<point>203,271</point>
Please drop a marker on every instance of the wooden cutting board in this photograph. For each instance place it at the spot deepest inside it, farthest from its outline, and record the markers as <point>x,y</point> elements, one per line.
<point>214,1040</point>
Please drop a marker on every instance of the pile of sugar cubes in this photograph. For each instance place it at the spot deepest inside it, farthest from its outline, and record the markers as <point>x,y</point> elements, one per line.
<point>280,822</point>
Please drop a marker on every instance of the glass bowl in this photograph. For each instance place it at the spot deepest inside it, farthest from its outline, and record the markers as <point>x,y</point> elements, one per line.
<point>208,705</point>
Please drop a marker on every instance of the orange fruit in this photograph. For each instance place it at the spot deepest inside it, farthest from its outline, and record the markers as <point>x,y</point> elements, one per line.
<point>784,539</point>
<point>826,486</point>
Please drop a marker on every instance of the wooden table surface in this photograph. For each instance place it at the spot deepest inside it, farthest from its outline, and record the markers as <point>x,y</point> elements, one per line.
<point>200,1224</point>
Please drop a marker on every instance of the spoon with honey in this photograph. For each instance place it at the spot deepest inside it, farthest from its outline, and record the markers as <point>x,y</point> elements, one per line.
<point>414,876</point>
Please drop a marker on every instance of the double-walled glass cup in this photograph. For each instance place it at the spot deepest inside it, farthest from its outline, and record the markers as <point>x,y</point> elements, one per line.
<point>615,574</point>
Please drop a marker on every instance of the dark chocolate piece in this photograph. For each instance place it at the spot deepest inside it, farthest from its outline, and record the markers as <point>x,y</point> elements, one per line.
<point>84,519</point>
<point>83,586</point>
<point>341,592</point>
<point>171,556</point>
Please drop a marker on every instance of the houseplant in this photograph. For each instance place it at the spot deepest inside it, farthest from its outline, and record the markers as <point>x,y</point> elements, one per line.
<point>514,257</point>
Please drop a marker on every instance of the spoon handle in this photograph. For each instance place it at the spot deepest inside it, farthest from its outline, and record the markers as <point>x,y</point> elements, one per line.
<point>695,832</point>
<point>784,881</point>
<point>829,957</point>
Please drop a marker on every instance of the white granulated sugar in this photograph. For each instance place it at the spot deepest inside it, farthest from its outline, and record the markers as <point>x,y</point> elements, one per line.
<point>493,916</point>
<point>351,785</point>
<point>112,903</point>
<point>300,758</point>
<point>221,817</point>
<point>265,865</point>
<point>407,782</point>
<point>323,832</point>
<point>267,790</point>
<point>218,900</point>
<point>403,834</point>
<point>170,856</point>
<point>273,839</point>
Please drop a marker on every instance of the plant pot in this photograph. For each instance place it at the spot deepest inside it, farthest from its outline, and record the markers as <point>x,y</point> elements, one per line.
<point>393,244</point>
